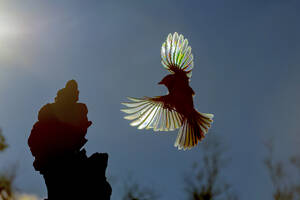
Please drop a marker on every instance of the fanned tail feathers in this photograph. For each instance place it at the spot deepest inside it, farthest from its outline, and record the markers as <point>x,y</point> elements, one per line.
<point>193,130</point>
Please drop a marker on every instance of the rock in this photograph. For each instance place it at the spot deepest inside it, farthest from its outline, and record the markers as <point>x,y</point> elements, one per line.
<point>56,141</point>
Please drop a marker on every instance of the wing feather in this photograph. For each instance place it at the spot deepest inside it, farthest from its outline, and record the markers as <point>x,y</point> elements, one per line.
<point>152,113</point>
<point>176,54</point>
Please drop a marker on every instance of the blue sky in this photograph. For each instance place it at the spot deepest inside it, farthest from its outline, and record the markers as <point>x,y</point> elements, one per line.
<point>246,73</point>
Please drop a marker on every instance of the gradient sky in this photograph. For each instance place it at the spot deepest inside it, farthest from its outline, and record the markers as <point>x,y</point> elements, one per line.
<point>246,72</point>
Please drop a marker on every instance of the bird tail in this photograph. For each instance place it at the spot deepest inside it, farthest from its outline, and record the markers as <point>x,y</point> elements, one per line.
<point>193,130</point>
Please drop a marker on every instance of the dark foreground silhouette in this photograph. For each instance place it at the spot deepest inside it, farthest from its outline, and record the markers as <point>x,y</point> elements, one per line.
<point>56,142</point>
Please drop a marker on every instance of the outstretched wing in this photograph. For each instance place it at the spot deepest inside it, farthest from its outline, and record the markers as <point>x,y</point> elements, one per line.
<point>176,54</point>
<point>152,113</point>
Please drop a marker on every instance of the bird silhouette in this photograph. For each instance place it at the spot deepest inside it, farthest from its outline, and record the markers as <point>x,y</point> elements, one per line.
<point>176,109</point>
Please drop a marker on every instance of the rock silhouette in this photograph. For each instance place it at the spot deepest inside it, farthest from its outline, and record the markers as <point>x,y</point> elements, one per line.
<point>56,142</point>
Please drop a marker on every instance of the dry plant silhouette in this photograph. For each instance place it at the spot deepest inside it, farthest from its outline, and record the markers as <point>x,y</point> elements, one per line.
<point>6,185</point>
<point>135,191</point>
<point>205,182</point>
<point>284,187</point>
<point>295,161</point>
<point>6,178</point>
<point>3,144</point>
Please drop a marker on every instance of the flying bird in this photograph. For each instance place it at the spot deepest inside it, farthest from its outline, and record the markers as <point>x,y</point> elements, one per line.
<point>176,109</point>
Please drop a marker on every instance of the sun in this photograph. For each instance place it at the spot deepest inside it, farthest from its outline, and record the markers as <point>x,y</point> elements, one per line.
<point>11,36</point>
<point>8,28</point>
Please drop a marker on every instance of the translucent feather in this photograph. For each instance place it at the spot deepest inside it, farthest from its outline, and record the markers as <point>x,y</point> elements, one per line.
<point>175,52</point>
<point>149,113</point>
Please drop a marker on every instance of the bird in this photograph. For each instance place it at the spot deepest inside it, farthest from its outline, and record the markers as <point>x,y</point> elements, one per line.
<point>176,109</point>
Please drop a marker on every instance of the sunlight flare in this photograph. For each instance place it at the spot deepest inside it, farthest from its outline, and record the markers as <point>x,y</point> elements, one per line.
<point>8,28</point>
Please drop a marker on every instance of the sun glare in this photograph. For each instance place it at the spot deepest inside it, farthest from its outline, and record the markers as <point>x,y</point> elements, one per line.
<point>9,28</point>
<point>10,37</point>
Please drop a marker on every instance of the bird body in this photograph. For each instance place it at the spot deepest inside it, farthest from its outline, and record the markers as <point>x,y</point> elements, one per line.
<point>176,109</point>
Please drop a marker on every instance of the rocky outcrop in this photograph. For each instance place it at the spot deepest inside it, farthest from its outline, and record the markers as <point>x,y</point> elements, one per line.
<point>56,141</point>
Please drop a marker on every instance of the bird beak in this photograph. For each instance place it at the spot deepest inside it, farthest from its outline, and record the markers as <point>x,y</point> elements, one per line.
<point>160,82</point>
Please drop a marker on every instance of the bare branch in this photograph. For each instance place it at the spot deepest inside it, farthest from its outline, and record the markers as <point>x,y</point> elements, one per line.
<point>3,144</point>
<point>204,182</point>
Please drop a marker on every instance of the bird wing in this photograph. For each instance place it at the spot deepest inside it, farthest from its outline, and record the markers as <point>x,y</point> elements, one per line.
<point>152,113</point>
<point>177,55</point>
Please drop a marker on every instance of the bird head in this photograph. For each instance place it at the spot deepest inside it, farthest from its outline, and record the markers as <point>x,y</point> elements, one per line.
<point>168,80</point>
<point>175,80</point>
